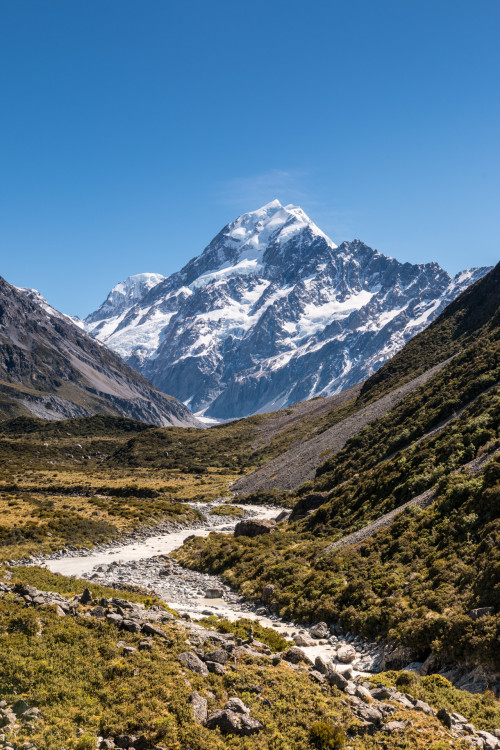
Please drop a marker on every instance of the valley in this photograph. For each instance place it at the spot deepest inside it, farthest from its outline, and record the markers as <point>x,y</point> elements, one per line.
<point>344,550</point>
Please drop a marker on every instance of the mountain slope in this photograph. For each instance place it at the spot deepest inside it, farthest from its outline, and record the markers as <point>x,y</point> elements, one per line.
<point>52,369</point>
<point>271,313</point>
<point>415,498</point>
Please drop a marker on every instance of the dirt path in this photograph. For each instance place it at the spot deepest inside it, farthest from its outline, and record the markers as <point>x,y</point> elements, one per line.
<point>294,467</point>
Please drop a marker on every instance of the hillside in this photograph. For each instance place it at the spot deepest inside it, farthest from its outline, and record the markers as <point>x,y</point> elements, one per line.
<point>50,368</point>
<point>416,578</point>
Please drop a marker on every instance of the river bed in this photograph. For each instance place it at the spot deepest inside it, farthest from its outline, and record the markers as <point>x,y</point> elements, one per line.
<point>142,562</point>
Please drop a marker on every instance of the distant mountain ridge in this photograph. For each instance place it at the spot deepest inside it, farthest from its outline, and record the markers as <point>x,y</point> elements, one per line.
<point>272,312</point>
<point>51,368</point>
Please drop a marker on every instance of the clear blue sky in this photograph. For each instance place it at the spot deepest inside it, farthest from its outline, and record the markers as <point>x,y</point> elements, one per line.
<point>132,131</point>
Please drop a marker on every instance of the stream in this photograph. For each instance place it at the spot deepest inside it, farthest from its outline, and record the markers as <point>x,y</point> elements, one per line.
<point>141,562</point>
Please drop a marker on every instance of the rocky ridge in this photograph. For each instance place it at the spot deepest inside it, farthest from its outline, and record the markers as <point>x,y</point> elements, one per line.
<point>52,369</point>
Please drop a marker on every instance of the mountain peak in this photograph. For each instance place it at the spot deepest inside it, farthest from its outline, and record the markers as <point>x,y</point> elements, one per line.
<point>126,293</point>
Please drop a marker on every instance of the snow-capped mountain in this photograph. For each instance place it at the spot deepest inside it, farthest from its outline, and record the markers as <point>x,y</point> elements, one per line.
<point>272,312</point>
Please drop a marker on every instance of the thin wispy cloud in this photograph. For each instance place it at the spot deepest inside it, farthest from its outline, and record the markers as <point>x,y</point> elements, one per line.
<point>249,192</point>
<point>255,190</point>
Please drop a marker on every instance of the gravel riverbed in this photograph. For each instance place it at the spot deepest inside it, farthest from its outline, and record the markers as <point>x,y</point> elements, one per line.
<point>141,561</point>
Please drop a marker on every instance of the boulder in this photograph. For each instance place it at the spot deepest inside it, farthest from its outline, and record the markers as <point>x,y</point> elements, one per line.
<point>444,717</point>
<point>303,640</point>
<point>86,597</point>
<point>199,706</point>
<point>395,726</point>
<point>369,714</point>
<point>193,662</point>
<point>253,527</point>
<point>346,654</point>
<point>132,626</point>
<point>316,676</point>
<point>237,705</point>
<point>215,667</point>
<point>321,630</point>
<point>295,655</point>
<point>426,709</point>
<point>230,722</point>
<point>220,655</point>
<point>149,629</point>
<point>337,679</point>
<point>476,614</point>
<point>214,593</point>
<point>20,707</point>
<point>283,516</point>
<point>490,742</point>
<point>322,665</point>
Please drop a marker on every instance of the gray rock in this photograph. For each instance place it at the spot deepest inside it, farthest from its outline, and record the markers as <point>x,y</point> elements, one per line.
<point>254,527</point>
<point>395,726</point>
<point>114,619</point>
<point>230,722</point>
<point>317,676</point>
<point>295,655</point>
<point>199,706</point>
<point>149,629</point>
<point>132,626</point>
<point>479,612</point>
<point>20,707</point>
<point>86,597</point>
<point>322,665</point>
<point>490,742</point>
<point>346,654</point>
<point>98,612</point>
<point>214,593</point>
<point>444,717</point>
<point>193,662</point>
<point>268,593</point>
<point>106,744</point>
<point>220,655</point>
<point>337,679</point>
<point>424,707</point>
<point>237,705</point>
<point>369,714</point>
<point>215,667</point>
<point>321,630</point>
<point>303,640</point>
<point>362,692</point>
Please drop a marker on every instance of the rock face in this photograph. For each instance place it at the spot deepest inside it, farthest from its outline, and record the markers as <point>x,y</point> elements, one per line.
<point>253,528</point>
<point>50,368</point>
<point>272,312</point>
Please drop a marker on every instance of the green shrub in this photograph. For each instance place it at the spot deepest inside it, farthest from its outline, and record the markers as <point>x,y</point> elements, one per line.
<point>327,736</point>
